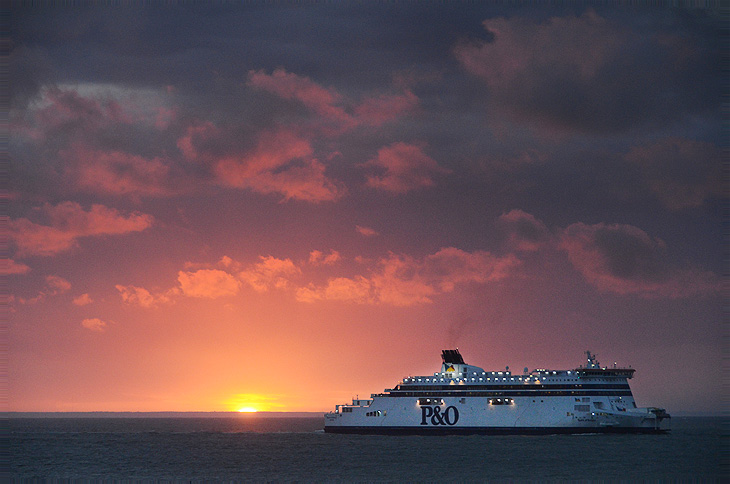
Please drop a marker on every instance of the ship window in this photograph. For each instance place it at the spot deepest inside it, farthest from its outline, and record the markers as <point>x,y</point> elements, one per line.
<point>430,401</point>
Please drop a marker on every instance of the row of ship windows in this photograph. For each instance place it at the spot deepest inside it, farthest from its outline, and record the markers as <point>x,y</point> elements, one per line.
<point>580,386</point>
<point>466,379</point>
<point>484,373</point>
<point>519,378</point>
<point>583,407</point>
<point>516,393</point>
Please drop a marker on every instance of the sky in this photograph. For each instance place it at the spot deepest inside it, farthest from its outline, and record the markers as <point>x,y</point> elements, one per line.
<point>281,206</point>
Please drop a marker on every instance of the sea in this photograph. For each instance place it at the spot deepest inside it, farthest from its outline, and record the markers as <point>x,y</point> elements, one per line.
<point>254,448</point>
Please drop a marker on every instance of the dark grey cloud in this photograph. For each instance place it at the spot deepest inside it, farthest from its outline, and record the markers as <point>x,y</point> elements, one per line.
<point>588,73</point>
<point>682,173</point>
<point>626,260</point>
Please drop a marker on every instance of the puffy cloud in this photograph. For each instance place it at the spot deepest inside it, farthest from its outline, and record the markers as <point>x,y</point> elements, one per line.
<point>270,273</point>
<point>142,297</point>
<point>197,140</point>
<point>83,300</point>
<point>94,324</point>
<point>57,285</point>
<point>69,222</point>
<point>382,109</point>
<point>280,163</point>
<point>303,181</point>
<point>590,73</point>
<point>400,280</point>
<point>357,289</point>
<point>366,231</point>
<point>9,266</point>
<point>317,257</point>
<point>524,231</point>
<point>406,167</point>
<point>212,283</point>
<point>682,173</point>
<point>228,263</point>
<point>101,138</point>
<point>287,85</point>
<point>66,109</point>
<point>208,283</point>
<point>451,266</point>
<point>330,105</point>
<point>54,285</point>
<point>201,283</point>
<point>626,260</point>
<point>117,172</point>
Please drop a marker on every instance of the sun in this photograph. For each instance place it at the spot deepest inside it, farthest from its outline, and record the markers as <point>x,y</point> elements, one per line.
<point>251,403</point>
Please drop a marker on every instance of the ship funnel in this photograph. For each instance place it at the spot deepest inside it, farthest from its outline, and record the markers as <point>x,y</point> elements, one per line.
<point>452,357</point>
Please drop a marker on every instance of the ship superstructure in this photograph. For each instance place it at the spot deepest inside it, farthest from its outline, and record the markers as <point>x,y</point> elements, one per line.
<point>462,398</point>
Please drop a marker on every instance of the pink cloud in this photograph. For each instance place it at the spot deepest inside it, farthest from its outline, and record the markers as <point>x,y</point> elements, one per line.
<point>406,167</point>
<point>366,231</point>
<point>400,280</point>
<point>357,290</point>
<point>57,285</point>
<point>624,259</point>
<point>140,296</point>
<point>196,135</point>
<point>83,300</point>
<point>379,110</point>
<point>451,266</point>
<point>117,172</point>
<point>524,232</point>
<point>270,273</point>
<point>9,266</point>
<point>94,324</point>
<point>69,222</point>
<point>330,105</point>
<point>54,285</point>
<point>302,181</point>
<point>682,173</point>
<point>317,257</point>
<point>208,283</point>
<point>273,151</point>
<point>228,263</point>
<point>280,163</point>
<point>321,100</point>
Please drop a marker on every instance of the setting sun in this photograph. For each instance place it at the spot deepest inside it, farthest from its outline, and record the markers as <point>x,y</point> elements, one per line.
<point>252,402</point>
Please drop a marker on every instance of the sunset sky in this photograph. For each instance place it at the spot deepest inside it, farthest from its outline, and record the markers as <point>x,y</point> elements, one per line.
<point>281,206</point>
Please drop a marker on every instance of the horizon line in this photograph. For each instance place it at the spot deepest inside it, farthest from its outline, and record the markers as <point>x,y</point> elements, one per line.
<point>215,413</point>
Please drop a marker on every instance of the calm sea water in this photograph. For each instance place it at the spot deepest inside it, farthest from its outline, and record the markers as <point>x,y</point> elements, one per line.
<point>250,448</point>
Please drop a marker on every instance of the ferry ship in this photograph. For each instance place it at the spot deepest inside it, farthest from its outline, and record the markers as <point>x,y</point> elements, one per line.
<point>465,399</point>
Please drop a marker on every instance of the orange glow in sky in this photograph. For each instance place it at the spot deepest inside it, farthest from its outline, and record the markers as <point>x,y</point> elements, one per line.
<point>280,219</point>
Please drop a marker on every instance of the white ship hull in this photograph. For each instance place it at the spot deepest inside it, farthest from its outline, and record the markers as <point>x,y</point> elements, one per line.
<point>577,401</point>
